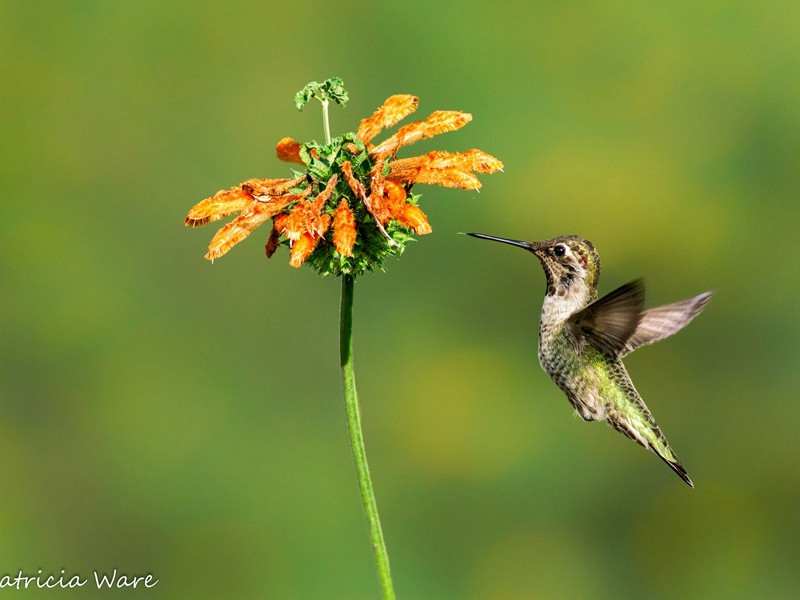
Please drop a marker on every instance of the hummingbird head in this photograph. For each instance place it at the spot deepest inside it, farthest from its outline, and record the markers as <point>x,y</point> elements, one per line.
<point>570,263</point>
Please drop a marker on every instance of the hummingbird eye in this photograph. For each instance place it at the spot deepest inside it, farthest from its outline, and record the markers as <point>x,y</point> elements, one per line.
<point>559,250</point>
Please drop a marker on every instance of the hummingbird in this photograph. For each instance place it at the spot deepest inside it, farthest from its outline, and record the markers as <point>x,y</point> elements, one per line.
<point>582,340</point>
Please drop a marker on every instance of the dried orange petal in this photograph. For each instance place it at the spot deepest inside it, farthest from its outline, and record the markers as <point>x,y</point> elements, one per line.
<point>355,184</point>
<point>360,192</point>
<point>274,240</point>
<point>218,206</point>
<point>413,218</point>
<point>344,229</point>
<point>392,111</point>
<point>288,150</point>
<point>307,216</point>
<point>324,195</point>
<point>481,162</point>
<point>376,180</point>
<point>451,177</point>
<point>271,187</point>
<point>279,221</point>
<point>302,249</point>
<point>293,226</point>
<point>250,218</point>
<point>238,229</point>
<point>394,193</point>
<point>440,121</point>
<point>471,160</point>
<point>390,205</point>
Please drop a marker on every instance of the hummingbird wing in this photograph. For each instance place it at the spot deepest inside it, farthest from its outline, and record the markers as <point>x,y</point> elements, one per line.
<point>660,322</point>
<point>608,323</point>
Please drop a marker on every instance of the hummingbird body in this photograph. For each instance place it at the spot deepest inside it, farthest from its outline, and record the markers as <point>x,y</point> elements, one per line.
<point>582,339</point>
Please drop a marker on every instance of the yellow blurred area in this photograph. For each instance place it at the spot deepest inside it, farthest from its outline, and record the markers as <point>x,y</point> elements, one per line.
<point>717,522</point>
<point>464,430</point>
<point>521,564</point>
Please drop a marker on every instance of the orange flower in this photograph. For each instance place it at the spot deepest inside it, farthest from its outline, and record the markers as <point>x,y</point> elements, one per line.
<point>349,186</point>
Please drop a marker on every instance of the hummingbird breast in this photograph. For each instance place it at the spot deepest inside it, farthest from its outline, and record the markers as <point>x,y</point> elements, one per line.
<point>561,355</point>
<point>565,359</point>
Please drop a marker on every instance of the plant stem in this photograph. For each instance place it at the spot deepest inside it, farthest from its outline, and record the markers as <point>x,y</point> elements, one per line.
<point>325,121</point>
<point>357,437</point>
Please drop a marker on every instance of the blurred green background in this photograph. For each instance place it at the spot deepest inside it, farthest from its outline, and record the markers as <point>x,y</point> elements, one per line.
<point>162,415</point>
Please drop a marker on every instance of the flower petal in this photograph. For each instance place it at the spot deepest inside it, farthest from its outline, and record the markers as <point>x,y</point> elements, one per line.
<point>344,229</point>
<point>355,185</point>
<point>251,217</point>
<point>376,181</point>
<point>271,187</point>
<point>413,218</point>
<point>360,192</point>
<point>324,195</point>
<point>390,203</point>
<point>471,160</point>
<point>394,193</point>
<point>307,215</point>
<point>288,150</point>
<point>392,111</point>
<point>450,177</point>
<point>274,240</point>
<point>218,206</point>
<point>440,121</point>
<point>292,226</point>
<point>481,162</point>
<point>302,249</point>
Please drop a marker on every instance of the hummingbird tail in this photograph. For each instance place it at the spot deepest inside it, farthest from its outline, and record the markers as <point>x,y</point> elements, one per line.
<point>676,466</point>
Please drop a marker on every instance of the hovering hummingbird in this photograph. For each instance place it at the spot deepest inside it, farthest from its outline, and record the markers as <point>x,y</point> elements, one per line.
<point>582,340</point>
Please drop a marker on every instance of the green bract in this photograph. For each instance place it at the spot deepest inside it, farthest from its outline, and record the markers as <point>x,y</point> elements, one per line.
<point>371,247</point>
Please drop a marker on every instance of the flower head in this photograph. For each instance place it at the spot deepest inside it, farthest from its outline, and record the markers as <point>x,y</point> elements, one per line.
<point>350,206</point>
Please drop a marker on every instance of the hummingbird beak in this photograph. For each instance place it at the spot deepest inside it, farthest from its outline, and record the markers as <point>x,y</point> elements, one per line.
<point>529,246</point>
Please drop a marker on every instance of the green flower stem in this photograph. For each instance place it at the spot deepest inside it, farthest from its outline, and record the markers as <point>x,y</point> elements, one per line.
<point>357,437</point>
<point>326,122</point>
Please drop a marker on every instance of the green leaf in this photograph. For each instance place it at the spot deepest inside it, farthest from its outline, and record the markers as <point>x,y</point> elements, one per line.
<point>302,97</point>
<point>330,89</point>
<point>334,89</point>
